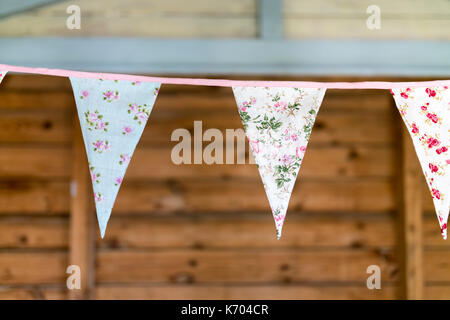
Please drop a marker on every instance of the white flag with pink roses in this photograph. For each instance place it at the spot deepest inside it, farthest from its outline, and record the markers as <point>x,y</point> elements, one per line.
<point>278,123</point>
<point>426,113</point>
<point>112,116</point>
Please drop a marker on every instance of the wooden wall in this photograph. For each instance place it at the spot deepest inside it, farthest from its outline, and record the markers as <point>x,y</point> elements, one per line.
<point>303,19</point>
<point>199,231</point>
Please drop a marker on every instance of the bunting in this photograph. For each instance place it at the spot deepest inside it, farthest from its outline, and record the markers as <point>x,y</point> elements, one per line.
<point>278,118</point>
<point>426,113</point>
<point>112,117</point>
<point>278,124</point>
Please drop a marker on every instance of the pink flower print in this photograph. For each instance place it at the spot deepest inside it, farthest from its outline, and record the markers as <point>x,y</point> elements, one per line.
<point>142,116</point>
<point>414,128</point>
<point>110,95</point>
<point>436,194</point>
<point>243,108</point>
<point>294,137</point>
<point>433,168</point>
<point>100,146</point>
<point>442,150</point>
<point>136,83</point>
<point>279,217</point>
<point>132,108</point>
<point>448,161</point>
<point>118,181</point>
<point>93,117</point>
<point>101,125</point>
<point>280,106</point>
<point>431,93</point>
<point>300,151</point>
<point>84,94</point>
<point>255,146</point>
<point>124,159</point>
<point>98,197</point>
<point>286,159</point>
<point>127,130</point>
<point>433,117</point>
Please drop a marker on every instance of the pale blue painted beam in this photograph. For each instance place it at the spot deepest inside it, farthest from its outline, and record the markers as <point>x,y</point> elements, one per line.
<point>270,19</point>
<point>312,57</point>
<point>9,7</point>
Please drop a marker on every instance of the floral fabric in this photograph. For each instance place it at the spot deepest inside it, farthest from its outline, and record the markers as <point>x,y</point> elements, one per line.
<point>2,75</point>
<point>278,124</point>
<point>426,113</point>
<point>112,116</point>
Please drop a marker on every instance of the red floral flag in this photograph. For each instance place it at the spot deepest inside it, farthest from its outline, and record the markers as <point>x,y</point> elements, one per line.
<point>426,113</point>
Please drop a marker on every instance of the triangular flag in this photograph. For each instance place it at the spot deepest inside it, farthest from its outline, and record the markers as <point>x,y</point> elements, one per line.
<point>278,124</point>
<point>112,116</point>
<point>426,113</point>
<point>2,75</point>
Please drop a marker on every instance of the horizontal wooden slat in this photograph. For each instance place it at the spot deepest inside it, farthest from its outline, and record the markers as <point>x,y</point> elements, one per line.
<point>139,26</point>
<point>437,264</point>
<point>243,266</point>
<point>247,232</point>
<point>34,233</point>
<point>344,28</point>
<point>356,8</point>
<point>38,197</point>
<point>155,163</point>
<point>374,196</point>
<point>203,196</point>
<point>335,128</point>
<point>257,292</point>
<point>437,292</point>
<point>33,267</point>
<point>32,293</point>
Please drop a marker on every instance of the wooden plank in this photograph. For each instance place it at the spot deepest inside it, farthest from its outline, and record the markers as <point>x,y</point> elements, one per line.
<point>244,196</point>
<point>414,28</point>
<point>412,213</point>
<point>327,162</point>
<point>81,219</point>
<point>200,26</point>
<point>35,126</point>
<point>33,233</point>
<point>31,292</point>
<point>34,197</point>
<point>245,231</point>
<point>436,266</point>
<point>437,292</point>
<point>47,267</point>
<point>144,197</point>
<point>357,8</point>
<point>242,266</point>
<point>331,127</point>
<point>241,292</point>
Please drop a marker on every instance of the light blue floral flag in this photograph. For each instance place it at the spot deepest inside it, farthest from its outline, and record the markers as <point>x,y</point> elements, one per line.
<point>112,115</point>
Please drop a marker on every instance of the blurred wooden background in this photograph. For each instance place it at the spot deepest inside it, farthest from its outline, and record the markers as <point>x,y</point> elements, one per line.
<point>199,231</point>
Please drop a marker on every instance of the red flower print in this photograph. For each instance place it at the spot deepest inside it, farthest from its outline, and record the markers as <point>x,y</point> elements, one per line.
<point>404,95</point>
<point>443,228</point>
<point>432,142</point>
<point>392,92</point>
<point>431,93</point>
<point>436,194</point>
<point>433,168</point>
<point>424,108</point>
<point>432,117</point>
<point>441,150</point>
<point>414,128</point>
